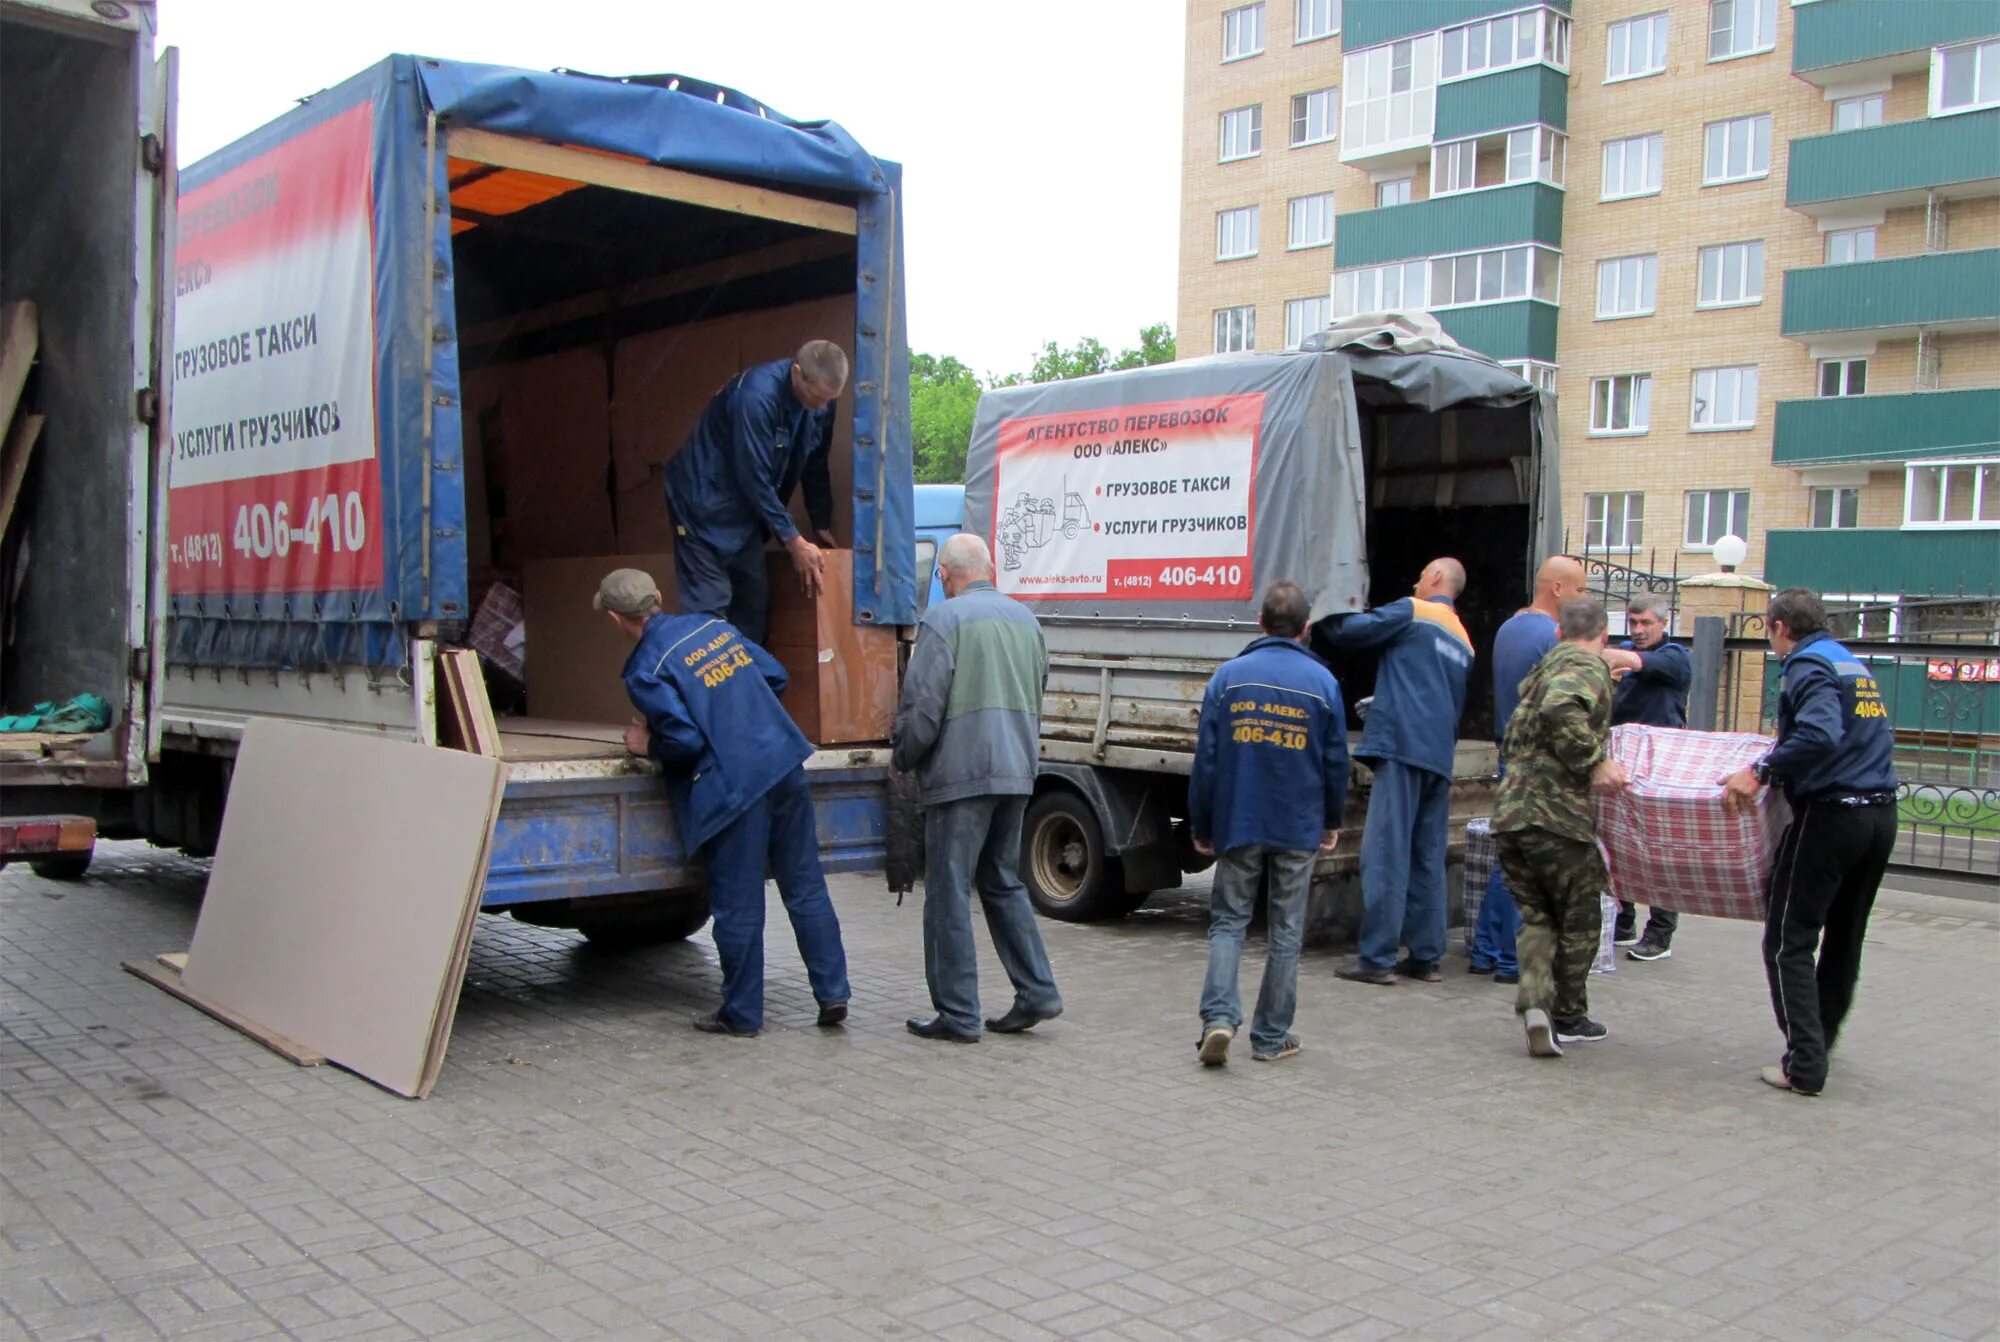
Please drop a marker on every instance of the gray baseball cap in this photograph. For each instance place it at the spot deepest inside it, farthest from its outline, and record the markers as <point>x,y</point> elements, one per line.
<point>627,591</point>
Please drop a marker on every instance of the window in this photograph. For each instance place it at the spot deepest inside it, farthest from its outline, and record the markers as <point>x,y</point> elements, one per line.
<point>1731,275</point>
<point>1395,192</point>
<point>1313,116</point>
<point>1737,150</point>
<point>1242,32</point>
<point>1636,47</point>
<point>1400,284</point>
<point>1741,27</point>
<point>1626,285</point>
<point>1390,95</point>
<point>1498,276</point>
<point>1498,44</point>
<point>1317,19</point>
<point>1534,372</point>
<point>1964,78</point>
<point>1621,404</point>
<point>1713,514</point>
<point>926,561</point>
<point>1236,233</point>
<point>1725,398</point>
<point>1527,154</point>
<point>1854,113</point>
<point>1632,167</point>
<point>1953,494</point>
<point>1849,244</point>
<point>1304,316</point>
<point>1235,329</point>
<point>1312,222</point>
<point>1614,521</point>
<point>1835,508</point>
<point>1242,132</point>
<point>1843,377</point>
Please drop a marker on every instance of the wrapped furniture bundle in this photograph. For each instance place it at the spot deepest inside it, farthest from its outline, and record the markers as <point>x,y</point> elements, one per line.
<point>1482,852</point>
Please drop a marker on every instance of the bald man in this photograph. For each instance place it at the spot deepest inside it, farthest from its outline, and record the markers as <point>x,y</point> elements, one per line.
<point>1409,742</point>
<point>1521,642</point>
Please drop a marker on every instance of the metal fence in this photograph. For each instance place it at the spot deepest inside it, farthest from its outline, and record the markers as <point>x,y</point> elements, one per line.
<point>1615,583</point>
<point>1937,661</point>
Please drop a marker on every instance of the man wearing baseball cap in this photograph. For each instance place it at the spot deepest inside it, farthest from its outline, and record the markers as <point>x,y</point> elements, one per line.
<point>732,758</point>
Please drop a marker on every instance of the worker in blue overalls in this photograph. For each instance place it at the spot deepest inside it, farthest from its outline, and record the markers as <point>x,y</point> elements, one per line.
<point>1409,742</point>
<point>729,488</point>
<point>732,757</point>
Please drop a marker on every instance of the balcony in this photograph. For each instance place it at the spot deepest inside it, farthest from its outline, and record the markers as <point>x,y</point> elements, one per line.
<point>1895,299</point>
<point>1528,212</point>
<point>1847,41</point>
<point>1836,430</point>
<point>1504,331</point>
<point>1369,23</point>
<point>1895,166</point>
<point>1915,563</point>
<point>1533,93</point>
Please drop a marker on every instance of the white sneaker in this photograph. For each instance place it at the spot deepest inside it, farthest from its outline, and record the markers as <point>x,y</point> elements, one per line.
<point>1541,1034</point>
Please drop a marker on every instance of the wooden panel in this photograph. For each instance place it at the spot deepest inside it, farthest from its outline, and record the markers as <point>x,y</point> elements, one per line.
<point>842,686</point>
<point>574,654</point>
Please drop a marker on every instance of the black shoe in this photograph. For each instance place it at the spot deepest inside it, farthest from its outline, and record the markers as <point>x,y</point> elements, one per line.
<point>1474,967</point>
<point>1423,971</point>
<point>832,1014</point>
<point>1019,1018</point>
<point>1360,972</point>
<point>1506,976</point>
<point>1649,948</point>
<point>1624,933</point>
<point>713,1023</point>
<point>939,1028</point>
<point>1583,1031</point>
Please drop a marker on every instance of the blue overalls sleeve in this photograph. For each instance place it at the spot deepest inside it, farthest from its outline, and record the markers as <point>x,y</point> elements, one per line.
<point>1667,666</point>
<point>1817,721</point>
<point>926,694</point>
<point>675,740</point>
<point>1201,779</point>
<point>814,481</point>
<point>753,421</point>
<point>1376,629</point>
<point>1333,760</point>
<point>768,667</point>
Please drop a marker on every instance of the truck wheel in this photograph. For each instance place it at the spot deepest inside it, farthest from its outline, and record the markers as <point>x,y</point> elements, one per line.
<point>68,867</point>
<point>1068,874</point>
<point>624,925</point>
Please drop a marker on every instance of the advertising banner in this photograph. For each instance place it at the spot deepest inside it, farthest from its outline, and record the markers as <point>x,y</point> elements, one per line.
<point>1129,503</point>
<point>273,481</point>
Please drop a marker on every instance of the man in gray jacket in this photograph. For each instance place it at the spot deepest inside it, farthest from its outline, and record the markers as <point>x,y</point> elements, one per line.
<point>969,726</point>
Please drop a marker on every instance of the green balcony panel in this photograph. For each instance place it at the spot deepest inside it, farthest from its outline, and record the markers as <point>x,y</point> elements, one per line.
<point>1904,427</point>
<point>1531,212</point>
<point>1369,23</point>
<point>1897,164</point>
<point>1889,34</point>
<point>1915,563</point>
<point>1496,102</point>
<point>1523,330</point>
<point>1959,288</point>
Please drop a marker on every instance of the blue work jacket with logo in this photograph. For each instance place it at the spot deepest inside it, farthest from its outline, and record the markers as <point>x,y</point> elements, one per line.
<point>1834,735</point>
<point>730,485</point>
<point>1419,684</point>
<point>1270,760</point>
<point>710,699</point>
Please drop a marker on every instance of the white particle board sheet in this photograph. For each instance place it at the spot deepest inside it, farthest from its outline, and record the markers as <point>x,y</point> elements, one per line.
<point>340,907</point>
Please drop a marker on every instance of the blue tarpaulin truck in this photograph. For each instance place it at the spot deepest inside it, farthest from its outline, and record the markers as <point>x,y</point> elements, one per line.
<point>436,330</point>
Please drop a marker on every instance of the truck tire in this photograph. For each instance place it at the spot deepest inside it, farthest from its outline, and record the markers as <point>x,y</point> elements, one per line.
<point>67,867</point>
<point>624,924</point>
<point>1063,863</point>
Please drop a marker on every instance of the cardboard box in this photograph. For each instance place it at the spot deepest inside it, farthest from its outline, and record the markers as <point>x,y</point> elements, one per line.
<point>573,655</point>
<point>843,675</point>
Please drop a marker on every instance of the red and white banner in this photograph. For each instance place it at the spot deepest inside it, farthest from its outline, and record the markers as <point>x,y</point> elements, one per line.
<point>273,481</point>
<point>1129,503</point>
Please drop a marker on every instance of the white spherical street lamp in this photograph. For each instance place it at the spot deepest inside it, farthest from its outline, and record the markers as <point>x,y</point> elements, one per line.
<point>1731,551</point>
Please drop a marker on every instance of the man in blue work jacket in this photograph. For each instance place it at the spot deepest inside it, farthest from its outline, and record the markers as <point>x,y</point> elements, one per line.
<point>1265,797</point>
<point>1836,761</point>
<point>731,756</point>
<point>1409,742</point>
<point>1653,677</point>
<point>763,435</point>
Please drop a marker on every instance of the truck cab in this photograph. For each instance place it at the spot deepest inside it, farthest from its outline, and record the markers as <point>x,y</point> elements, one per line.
<point>940,515</point>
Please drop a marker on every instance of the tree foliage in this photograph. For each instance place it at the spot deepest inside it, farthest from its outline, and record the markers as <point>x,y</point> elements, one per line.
<point>944,392</point>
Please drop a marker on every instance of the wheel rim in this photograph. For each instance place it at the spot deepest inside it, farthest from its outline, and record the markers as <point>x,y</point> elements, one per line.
<point>1059,858</point>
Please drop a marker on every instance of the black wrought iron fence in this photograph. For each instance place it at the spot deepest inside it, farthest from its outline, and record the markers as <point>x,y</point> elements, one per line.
<point>1612,576</point>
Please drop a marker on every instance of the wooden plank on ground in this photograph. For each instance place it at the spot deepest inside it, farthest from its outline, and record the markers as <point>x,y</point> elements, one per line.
<point>15,450</point>
<point>20,336</point>
<point>166,976</point>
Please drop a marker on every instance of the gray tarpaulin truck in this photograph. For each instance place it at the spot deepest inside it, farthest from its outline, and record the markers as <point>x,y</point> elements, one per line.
<point>1140,514</point>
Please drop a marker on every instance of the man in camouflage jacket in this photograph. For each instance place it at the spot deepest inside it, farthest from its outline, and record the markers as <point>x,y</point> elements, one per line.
<point>1557,752</point>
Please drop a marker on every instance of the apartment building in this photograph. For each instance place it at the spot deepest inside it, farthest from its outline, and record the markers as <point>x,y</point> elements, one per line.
<point>1754,246</point>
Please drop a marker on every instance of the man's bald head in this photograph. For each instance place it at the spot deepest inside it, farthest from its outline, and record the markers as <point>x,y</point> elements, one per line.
<point>964,560</point>
<point>1560,580</point>
<point>1441,577</point>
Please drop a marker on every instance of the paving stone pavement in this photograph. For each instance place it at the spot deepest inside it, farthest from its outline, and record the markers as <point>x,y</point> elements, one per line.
<point>589,1167</point>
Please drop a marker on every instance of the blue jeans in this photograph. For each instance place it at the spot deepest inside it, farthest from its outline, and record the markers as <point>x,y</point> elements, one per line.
<point>731,586</point>
<point>1237,876</point>
<point>1491,943</point>
<point>779,831</point>
<point>1402,864</point>
<point>976,841</point>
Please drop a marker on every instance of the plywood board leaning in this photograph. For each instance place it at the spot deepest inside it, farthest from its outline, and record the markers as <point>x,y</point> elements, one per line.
<point>20,337</point>
<point>471,722</point>
<point>343,895</point>
<point>19,445</point>
<point>165,974</point>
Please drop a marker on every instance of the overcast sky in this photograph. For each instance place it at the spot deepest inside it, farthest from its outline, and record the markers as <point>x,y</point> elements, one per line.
<point>1040,138</point>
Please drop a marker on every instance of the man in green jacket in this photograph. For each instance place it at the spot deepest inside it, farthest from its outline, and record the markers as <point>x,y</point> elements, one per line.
<point>1557,752</point>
